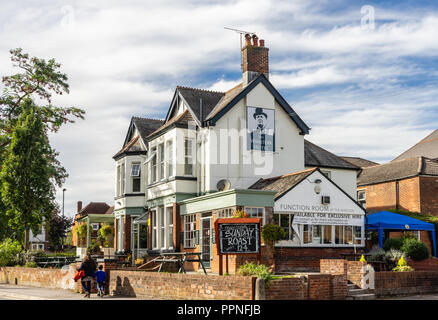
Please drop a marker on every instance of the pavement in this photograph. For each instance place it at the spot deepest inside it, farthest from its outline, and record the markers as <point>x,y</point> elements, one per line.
<point>18,292</point>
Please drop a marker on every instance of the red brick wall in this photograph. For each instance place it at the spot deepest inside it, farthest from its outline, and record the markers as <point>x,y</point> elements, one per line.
<point>430,264</point>
<point>428,193</point>
<point>389,283</point>
<point>308,259</point>
<point>333,266</point>
<point>181,286</point>
<point>354,272</point>
<point>287,289</point>
<point>255,59</point>
<point>39,277</point>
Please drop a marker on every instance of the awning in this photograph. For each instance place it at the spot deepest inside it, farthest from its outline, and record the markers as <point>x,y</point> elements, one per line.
<point>385,220</point>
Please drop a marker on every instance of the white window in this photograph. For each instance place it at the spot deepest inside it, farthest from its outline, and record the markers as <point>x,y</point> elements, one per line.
<point>188,157</point>
<point>225,213</point>
<point>327,173</point>
<point>135,176</point>
<point>361,198</point>
<point>122,185</point>
<point>119,181</point>
<point>189,231</point>
<point>162,228</point>
<point>319,235</point>
<point>153,165</point>
<point>169,214</point>
<point>154,229</point>
<point>161,152</point>
<point>170,172</point>
<point>256,212</point>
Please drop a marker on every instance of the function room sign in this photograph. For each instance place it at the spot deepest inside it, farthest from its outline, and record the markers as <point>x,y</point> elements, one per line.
<point>238,236</point>
<point>261,129</point>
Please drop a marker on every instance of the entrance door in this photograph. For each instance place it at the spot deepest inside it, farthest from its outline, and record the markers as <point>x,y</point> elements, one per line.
<point>206,241</point>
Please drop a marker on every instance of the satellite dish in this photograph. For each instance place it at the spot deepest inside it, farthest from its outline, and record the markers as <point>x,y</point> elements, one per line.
<point>223,184</point>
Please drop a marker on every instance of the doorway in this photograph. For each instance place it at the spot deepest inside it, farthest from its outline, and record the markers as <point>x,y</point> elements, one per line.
<point>206,241</point>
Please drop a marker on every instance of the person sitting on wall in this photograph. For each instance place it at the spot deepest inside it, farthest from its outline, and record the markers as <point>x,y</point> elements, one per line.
<point>88,265</point>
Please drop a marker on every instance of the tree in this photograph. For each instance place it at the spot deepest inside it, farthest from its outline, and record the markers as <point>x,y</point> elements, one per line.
<point>57,230</point>
<point>39,80</point>
<point>25,179</point>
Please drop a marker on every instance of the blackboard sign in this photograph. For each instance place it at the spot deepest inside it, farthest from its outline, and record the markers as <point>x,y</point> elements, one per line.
<point>239,238</point>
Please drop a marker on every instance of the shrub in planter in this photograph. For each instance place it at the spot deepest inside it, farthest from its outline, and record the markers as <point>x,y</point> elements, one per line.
<point>415,249</point>
<point>271,233</point>
<point>392,257</point>
<point>105,233</point>
<point>258,270</point>
<point>93,248</point>
<point>9,250</point>
<point>377,255</point>
<point>402,266</point>
<point>240,214</point>
<point>393,243</point>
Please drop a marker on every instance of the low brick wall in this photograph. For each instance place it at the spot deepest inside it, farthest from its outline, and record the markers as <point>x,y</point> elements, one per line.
<point>287,289</point>
<point>181,286</point>
<point>389,283</point>
<point>430,264</point>
<point>39,277</point>
<point>311,287</point>
<point>355,272</point>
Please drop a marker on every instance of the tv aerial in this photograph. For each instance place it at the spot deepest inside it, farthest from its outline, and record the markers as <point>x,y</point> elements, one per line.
<point>241,33</point>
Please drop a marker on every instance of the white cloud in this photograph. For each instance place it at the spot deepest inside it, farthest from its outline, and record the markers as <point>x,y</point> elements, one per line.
<point>125,58</point>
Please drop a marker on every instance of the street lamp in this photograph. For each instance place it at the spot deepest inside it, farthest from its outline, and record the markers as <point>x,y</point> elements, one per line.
<point>62,240</point>
<point>63,190</point>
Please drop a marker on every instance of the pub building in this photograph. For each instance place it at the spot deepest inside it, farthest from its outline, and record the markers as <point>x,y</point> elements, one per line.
<point>243,149</point>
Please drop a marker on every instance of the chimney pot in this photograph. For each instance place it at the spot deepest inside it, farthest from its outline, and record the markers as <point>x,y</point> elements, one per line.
<point>79,206</point>
<point>262,43</point>
<point>247,40</point>
<point>255,40</point>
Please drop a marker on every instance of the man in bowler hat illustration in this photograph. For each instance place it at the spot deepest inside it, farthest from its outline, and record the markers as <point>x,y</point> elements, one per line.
<point>260,138</point>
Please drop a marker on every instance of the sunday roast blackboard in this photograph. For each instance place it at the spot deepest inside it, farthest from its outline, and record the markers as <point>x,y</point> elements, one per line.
<point>238,236</point>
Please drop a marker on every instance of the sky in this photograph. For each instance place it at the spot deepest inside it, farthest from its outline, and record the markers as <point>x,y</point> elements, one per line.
<point>362,74</point>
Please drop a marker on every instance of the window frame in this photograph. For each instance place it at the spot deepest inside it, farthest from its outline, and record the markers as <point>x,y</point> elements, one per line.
<point>188,156</point>
<point>189,241</point>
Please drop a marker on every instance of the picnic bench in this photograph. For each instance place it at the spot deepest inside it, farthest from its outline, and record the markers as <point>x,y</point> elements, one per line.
<point>179,258</point>
<point>54,262</point>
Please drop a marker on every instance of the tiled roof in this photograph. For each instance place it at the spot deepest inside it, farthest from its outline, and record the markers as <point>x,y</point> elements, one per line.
<point>399,169</point>
<point>227,97</point>
<point>110,210</point>
<point>359,162</point>
<point>93,208</point>
<point>193,96</point>
<point>146,126</point>
<point>183,118</point>
<point>428,147</point>
<point>315,156</point>
<point>282,184</point>
<point>132,146</point>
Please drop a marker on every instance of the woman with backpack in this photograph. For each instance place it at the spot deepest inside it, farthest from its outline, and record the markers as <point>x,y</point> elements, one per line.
<point>88,265</point>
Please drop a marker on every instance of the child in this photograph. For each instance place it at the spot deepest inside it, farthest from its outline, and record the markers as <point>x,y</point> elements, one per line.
<point>100,279</point>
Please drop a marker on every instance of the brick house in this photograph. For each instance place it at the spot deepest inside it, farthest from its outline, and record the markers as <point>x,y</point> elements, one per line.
<point>205,160</point>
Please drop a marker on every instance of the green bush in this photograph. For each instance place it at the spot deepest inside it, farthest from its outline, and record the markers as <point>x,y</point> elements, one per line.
<point>258,270</point>
<point>377,255</point>
<point>393,243</point>
<point>93,248</point>
<point>9,250</point>
<point>30,264</point>
<point>415,249</point>
<point>392,257</point>
<point>271,233</point>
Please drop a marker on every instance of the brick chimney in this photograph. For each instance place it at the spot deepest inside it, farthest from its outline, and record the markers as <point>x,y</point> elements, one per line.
<point>255,58</point>
<point>79,206</point>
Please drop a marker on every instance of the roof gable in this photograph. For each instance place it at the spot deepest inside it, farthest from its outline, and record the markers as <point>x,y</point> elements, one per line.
<point>144,126</point>
<point>239,92</point>
<point>427,147</point>
<point>315,156</point>
<point>284,184</point>
<point>395,170</point>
